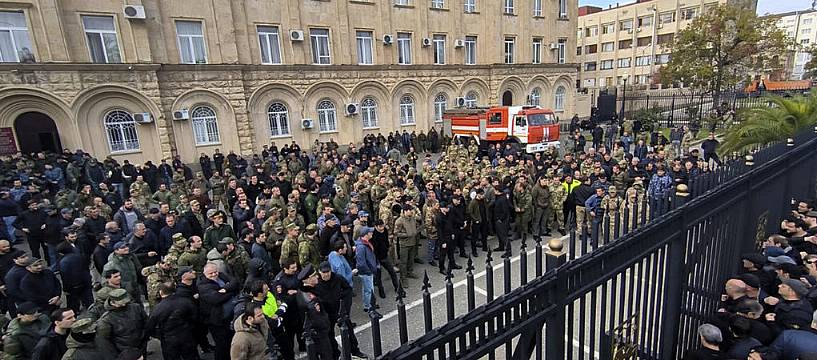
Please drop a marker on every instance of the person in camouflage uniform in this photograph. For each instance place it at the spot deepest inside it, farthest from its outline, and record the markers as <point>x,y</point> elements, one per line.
<point>542,207</point>
<point>180,181</point>
<point>294,218</point>
<point>195,256</point>
<point>406,231</point>
<point>558,195</point>
<point>65,198</point>
<point>141,187</point>
<point>308,247</point>
<point>139,201</point>
<point>636,208</point>
<point>289,248</point>
<point>218,185</point>
<point>612,203</point>
<point>237,260</point>
<point>523,206</point>
<point>162,195</point>
<point>155,275</point>
<point>178,247</point>
<point>430,211</point>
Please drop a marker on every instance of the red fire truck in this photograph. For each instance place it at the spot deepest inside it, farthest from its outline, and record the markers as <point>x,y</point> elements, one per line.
<point>531,125</point>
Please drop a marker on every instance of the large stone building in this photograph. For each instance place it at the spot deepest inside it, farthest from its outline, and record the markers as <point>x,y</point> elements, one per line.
<point>631,41</point>
<point>244,73</point>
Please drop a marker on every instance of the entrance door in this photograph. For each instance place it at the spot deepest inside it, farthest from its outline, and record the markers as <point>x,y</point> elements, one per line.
<point>507,98</point>
<point>37,132</point>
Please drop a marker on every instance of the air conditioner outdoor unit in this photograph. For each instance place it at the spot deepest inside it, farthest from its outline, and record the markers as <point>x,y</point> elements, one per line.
<point>307,123</point>
<point>142,118</point>
<point>459,43</point>
<point>296,35</point>
<point>629,31</point>
<point>554,46</point>
<point>134,12</point>
<point>426,42</point>
<point>388,39</point>
<point>182,114</point>
<point>352,109</point>
<point>460,102</point>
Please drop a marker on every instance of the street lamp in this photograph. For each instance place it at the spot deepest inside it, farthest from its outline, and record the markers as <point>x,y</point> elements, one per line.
<point>624,98</point>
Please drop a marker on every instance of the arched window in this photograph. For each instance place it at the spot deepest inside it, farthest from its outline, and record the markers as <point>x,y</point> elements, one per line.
<point>406,110</point>
<point>440,102</point>
<point>471,99</point>
<point>535,96</point>
<point>278,119</point>
<point>327,116</point>
<point>368,112</point>
<point>121,131</point>
<point>205,125</point>
<point>559,101</point>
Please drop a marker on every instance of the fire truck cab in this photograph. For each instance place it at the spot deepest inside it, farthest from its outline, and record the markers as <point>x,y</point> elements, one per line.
<point>531,125</point>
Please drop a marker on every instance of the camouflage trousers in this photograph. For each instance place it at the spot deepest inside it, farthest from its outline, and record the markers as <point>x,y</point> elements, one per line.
<point>541,220</point>
<point>582,219</point>
<point>559,214</point>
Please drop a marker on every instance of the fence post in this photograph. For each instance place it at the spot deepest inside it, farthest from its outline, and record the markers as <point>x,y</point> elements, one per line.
<point>523,263</point>
<point>681,195</point>
<point>555,324</point>
<point>377,345</point>
<point>401,315</point>
<point>427,303</point>
<point>345,340</point>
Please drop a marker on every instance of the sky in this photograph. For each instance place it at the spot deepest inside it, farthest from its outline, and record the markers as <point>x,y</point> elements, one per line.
<point>763,6</point>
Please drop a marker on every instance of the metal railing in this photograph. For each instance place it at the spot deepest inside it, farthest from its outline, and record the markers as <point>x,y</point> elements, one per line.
<point>634,286</point>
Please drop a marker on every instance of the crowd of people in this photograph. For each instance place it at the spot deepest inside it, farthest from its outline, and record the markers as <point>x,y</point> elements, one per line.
<point>256,257</point>
<point>767,311</point>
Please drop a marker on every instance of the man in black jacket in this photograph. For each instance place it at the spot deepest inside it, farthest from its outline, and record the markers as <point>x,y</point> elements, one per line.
<point>216,290</point>
<point>335,296</point>
<point>40,286</point>
<point>502,218</point>
<point>11,280</point>
<point>173,321</point>
<point>32,223</point>
<point>459,223</point>
<point>52,345</point>
<point>446,241</point>
<point>580,196</point>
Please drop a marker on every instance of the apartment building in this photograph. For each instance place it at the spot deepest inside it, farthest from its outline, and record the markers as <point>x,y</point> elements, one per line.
<point>631,41</point>
<point>154,78</point>
<point>802,27</point>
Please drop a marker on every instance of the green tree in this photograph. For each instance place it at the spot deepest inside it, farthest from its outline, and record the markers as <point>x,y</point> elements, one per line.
<point>765,124</point>
<point>811,65</point>
<point>649,117</point>
<point>721,46</point>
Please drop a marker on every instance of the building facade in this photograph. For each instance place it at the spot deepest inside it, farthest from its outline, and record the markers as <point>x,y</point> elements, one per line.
<point>632,41</point>
<point>236,75</point>
<point>802,27</point>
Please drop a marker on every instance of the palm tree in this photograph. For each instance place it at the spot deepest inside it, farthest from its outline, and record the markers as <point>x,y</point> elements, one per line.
<point>780,119</point>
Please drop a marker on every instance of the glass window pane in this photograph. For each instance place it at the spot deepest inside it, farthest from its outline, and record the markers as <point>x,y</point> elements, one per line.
<point>7,51</point>
<point>265,50</point>
<point>13,19</point>
<point>95,46</point>
<point>104,23</point>
<point>199,50</point>
<point>112,48</point>
<point>188,28</point>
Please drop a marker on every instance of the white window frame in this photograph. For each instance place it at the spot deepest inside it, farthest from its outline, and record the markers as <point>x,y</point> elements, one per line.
<point>470,50</point>
<point>509,48</point>
<point>407,110</point>
<point>186,42</point>
<point>608,28</point>
<point>537,8</point>
<point>319,41</point>
<point>559,98</point>
<point>404,48</point>
<point>437,4</point>
<point>278,119</point>
<point>438,42</point>
<point>536,51</point>
<point>562,9</point>
<point>536,96</point>
<point>269,35</point>
<point>689,13</point>
<point>327,116</point>
<point>605,48</point>
<point>629,24</point>
<point>401,2</point>
<point>471,99</point>
<point>15,38</point>
<point>470,6</point>
<point>368,113</point>
<point>121,132</point>
<point>98,36</point>
<point>204,121</point>
<point>507,7</point>
<point>561,52</point>
<point>625,62</point>
<point>440,104</point>
<point>645,60</point>
<point>609,64</point>
<point>364,40</point>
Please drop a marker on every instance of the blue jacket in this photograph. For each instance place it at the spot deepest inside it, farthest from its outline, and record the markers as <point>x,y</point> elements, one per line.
<point>364,258</point>
<point>791,343</point>
<point>340,266</point>
<point>592,203</point>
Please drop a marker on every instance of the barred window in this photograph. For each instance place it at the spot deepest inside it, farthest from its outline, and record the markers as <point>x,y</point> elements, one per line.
<point>205,125</point>
<point>327,116</point>
<point>121,131</point>
<point>368,109</point>
<point>471,99</point>
<point>278,116</point>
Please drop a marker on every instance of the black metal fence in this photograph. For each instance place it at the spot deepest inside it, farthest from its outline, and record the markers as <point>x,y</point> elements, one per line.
<point>680,107</point>
<point>634,287</point>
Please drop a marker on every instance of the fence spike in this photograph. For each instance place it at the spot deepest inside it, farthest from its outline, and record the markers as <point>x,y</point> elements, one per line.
<point>401,314</point>
<point>427,302</point>
<point>469,279</point>
<point>539,255</point>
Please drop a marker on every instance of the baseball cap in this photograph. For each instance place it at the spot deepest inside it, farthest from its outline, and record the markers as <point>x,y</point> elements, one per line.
<point>27,308</point>
<point>120,245</point>
<point>797,286</point>
<point>84,326</point>
<point>306,272</point>
<point>361,214</point>
<point>183,270</point>
<point>365,231</point>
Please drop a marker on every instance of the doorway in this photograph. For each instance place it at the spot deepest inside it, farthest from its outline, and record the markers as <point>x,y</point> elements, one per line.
<point>507,98</point>
<point>37,132</point>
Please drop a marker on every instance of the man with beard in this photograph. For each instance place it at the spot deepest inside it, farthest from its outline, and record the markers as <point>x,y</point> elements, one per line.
<point>41,286</point>
<point>173,320</point>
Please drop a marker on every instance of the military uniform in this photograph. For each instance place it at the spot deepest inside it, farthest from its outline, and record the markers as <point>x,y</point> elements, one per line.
<point>195,259</point>
<point>178,247</point>
<point>238,262</point>
<point>289,248</point>
<point>155,276</point>
<point>612,203</point>
<point>523,205</point>
<point>162,196</point>
<point>308,247</point>
<point>217,184</point>
<point>542,210</point>
<point>558,195</point>
<point>406,231</point>
<point>430,229</point>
